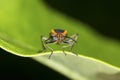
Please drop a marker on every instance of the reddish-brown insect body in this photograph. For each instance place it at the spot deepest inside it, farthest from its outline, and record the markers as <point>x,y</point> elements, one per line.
<point>58,36</point>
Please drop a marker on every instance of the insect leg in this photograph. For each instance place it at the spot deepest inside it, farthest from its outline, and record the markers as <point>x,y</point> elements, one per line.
<point>50,50</point>
<point>63,47</point>
<point>70,41</point>
<point>45,43</point>
<point>74,37</point>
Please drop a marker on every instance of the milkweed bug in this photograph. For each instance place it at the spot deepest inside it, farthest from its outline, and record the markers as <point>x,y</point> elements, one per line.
<point>58,36</point>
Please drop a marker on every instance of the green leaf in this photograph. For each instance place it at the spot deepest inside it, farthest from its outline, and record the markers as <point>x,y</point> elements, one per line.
<point>80,67</point>
<point>22,22</point>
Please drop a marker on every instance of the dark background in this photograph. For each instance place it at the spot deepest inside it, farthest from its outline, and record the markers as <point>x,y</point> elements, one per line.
<point>101,15</point>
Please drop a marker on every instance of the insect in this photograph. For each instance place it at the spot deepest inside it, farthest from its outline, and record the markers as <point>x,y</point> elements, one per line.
<point>58,36</point>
